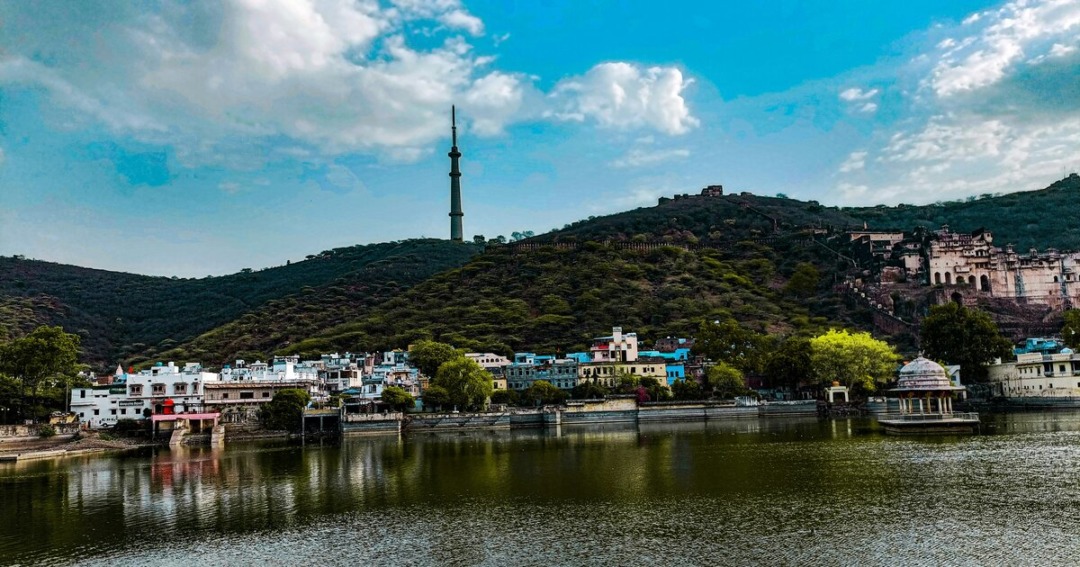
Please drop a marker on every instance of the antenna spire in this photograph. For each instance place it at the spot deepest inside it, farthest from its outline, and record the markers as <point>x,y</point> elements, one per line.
<point>453,124</point>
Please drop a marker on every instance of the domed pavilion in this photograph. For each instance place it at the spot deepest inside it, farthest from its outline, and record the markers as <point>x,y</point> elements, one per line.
<point>925,395</point>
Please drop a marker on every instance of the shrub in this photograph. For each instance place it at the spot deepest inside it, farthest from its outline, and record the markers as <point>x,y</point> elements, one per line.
<point>46,430</point>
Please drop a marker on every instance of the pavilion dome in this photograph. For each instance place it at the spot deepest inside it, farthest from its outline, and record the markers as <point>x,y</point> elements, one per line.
<point>923,374</point>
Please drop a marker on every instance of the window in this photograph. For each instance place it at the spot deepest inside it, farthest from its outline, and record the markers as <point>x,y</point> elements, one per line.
<point>113,411</point>
<point>247,395</point>
<point>225,396</point>
<point>82,393</point>
<point>179,388</point>
<point>266,394</point>
<point>123,411</point>
<point>158,389</point>
<point>136,389</point>
<point>97,412</point>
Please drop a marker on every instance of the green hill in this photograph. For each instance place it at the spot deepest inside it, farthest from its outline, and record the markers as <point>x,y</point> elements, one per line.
<point>657,270</point>
<point>1039,219</point>
<point>123,316</point>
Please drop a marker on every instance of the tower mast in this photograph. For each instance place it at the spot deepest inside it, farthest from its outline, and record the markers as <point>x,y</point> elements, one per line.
<point>455,182</point>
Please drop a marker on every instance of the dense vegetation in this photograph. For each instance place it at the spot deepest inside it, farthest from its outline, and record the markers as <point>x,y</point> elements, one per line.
<point>1030,219</point>
<point>657,270</point>
<point>123,316</point>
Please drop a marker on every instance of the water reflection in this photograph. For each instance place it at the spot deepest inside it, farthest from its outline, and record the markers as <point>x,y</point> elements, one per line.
<point>736,492</point>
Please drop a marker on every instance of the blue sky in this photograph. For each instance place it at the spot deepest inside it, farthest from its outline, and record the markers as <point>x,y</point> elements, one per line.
<point>191,138</point>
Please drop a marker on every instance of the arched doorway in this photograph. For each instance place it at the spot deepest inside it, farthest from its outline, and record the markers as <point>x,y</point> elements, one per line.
<point>937,278</point>
<point>985,283</point>
<point>948,278</point>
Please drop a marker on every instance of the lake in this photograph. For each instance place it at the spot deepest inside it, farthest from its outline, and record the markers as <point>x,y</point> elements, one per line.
<point>777,491</point>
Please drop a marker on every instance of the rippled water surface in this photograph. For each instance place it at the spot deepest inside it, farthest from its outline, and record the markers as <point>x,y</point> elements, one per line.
<point>780,491</point>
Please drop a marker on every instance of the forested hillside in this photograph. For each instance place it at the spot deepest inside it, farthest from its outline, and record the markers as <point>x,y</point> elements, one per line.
<point>657,270</point>
<point>121,316</point>
<point>1031,219</point>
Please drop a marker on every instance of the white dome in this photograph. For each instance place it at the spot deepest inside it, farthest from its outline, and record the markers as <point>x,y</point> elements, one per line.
<point>923,374</point>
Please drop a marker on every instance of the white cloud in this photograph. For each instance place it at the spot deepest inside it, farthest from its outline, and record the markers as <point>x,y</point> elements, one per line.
<point>624,95</point>
<point>860,100</point>
<point>638,157</point>
<point>855,161</point>
<point>1001,39</point>
<point>856,94</point>
<point>244,82</point>
<point>1061,50</point>
<point>460,19</point>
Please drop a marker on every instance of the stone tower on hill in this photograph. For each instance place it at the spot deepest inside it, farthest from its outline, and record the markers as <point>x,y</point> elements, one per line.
<point>455,182</point>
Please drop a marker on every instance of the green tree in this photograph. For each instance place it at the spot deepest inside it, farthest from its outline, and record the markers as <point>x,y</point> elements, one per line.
<point>542,392</point>
<point>1070,333</point>
<point>856,360</point>
<point>397,398</point>
<point>435,397</point>
<point>789,364</point>
<point>804,281</point>
<point>657,391</point>
<point>686,390</point>
<point>467,384</point>
<point>626,383</point>
<point>505,397</point>
<point>284,411</point>
<point>725,380</point>
<point>428,356</point>
<point>954,334</point>
<point>46,353</point>
<point>728,341</point>
<point>589,391</point>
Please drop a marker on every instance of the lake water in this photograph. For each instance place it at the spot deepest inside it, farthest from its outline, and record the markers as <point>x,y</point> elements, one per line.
<point>782,491</point>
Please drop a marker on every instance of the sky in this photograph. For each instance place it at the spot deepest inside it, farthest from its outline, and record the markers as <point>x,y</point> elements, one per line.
<point>188,138</point>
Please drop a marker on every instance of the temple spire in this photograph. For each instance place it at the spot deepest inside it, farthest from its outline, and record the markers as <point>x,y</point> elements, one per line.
<point>455,182</point>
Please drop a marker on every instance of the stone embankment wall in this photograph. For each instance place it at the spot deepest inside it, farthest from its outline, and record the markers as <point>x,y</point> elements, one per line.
<point>22,433</point>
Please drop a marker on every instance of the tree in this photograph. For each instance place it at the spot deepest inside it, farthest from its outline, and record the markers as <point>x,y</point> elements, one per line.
<point>435,397</point>
<point>804,281</point>
<point>542,392</point>
<point>284,411</point>
<point>505,397</point>
<point>856,360</point>
<point>1070,333</point>
<point>479,239</point>
<point>728,341</point>
<point>657,391</point>
<point>725,380</point>
<point>46,353</point>
<point>589,391</point>
<point>954,334</point>
<point>467,384</point>
<point>789,364</point>
<point>686,390</point>
<point>428,356</point>
<point>397,398</point>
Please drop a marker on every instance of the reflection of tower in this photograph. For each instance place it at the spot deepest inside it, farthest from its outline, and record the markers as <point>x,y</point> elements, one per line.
<point>455,183</point>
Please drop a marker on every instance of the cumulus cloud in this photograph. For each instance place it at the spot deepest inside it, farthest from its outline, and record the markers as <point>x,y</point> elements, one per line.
<point>854,162</point>
<point>238,83</point>
<point>996,41</point>
<point>624,95</point>
<point>989,107</point>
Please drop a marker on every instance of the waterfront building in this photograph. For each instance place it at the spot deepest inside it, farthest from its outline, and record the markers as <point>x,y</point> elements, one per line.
<point>608,373</point>
<point>242,388</point>
<point>495,364</point>
<point>338,373</point>
<point>925,401</point>
<point>161,389</point>
<point>616,347</point>
<point>1038,377</point>
<point>529,367</point>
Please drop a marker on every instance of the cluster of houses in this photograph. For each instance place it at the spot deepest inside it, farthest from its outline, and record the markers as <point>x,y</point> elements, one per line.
<point>234,394</point>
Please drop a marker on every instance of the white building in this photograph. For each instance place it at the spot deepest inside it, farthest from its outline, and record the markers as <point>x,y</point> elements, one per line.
<point>617,347</point>
<point>156,390</point>
<point>1037,375</point>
